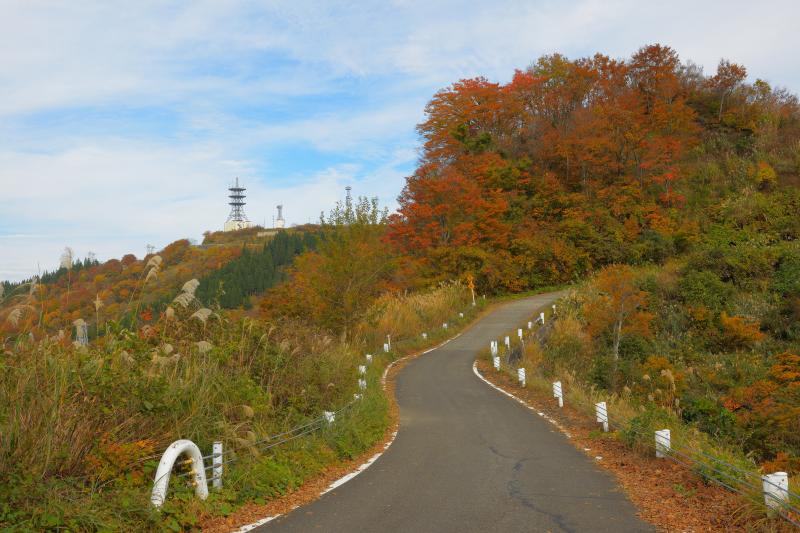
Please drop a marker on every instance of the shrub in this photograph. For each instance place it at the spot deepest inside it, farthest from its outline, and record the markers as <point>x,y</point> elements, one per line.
<point>738,333</point>
<point>709,415</point>
<point>787,276</point>
<point>704,289</point>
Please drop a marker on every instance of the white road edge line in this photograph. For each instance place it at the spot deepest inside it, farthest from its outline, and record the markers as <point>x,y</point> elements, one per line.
<point>347,477</point>
<point>523,402</point>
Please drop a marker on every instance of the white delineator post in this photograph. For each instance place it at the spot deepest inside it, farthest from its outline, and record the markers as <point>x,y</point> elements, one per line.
<point>530,325</point>
<point>369,358</point>
<point>216,463</point>
<point>460,315</point>
<point>521,376</point>
<point>329,416</point>
<point>602,414</point>
<point>386,347</point>
<point>171,454</point>
<point>554,308</point>
<point>507,342</point>
<point>389,341</point>
<point>493,347</point>
<point>362,369</point>
<point>662,443</point>
<point>558,393</point>
<point>362,384</point>
<point>496,362</point>
<point>444,325</point>
<point>541,317</point>
<point>519,333</point>
<point>425,336</point>
<point>776,489</point>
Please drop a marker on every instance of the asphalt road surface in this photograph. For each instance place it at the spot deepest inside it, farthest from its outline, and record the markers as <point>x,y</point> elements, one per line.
<point>469,459</point>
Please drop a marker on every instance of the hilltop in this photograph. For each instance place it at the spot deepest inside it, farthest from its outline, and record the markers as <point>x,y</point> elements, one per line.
<point>230,266</point>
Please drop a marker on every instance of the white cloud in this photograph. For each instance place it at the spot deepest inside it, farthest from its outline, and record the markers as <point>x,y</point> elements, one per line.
<point>79,53</point>
<point>348,79</point>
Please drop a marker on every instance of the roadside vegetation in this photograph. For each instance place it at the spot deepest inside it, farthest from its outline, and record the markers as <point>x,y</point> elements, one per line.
<point>641,340</point>
<point>82,428</point>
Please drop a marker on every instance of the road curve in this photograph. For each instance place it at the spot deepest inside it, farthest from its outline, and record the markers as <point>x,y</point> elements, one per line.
<point>469,459</point>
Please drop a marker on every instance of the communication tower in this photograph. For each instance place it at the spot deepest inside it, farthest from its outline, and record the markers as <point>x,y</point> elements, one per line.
<point>237,219</point>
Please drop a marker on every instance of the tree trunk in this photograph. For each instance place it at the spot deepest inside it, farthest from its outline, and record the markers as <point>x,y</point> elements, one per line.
<point>617,336</point>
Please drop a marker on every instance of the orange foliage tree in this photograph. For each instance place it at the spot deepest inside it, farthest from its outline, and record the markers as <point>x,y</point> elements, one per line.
<point>579,153</point>
<point>617,306</point>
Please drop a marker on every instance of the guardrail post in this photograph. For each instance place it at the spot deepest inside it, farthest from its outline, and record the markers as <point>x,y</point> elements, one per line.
<point>662,443</point>
<point>776,489</point>
<point>602,414</point>
<point>558,393</point>
<point>216,462</point>
<point>171,454</point>
<point>521,376</point>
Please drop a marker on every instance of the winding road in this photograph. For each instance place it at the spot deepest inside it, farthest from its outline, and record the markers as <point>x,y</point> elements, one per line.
<point>469,459</point>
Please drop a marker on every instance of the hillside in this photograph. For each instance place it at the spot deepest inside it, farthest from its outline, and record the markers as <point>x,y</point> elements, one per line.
<point>231,267</point>
<point>673,192</point>
<point>576,164</point>
<point>667,196</point>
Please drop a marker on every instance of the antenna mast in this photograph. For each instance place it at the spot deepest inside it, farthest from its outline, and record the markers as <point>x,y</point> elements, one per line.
<point>237,219</point>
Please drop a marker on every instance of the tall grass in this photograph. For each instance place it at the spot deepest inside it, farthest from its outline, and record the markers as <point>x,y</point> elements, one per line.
<point>82,427</point>
<point>405,316</point>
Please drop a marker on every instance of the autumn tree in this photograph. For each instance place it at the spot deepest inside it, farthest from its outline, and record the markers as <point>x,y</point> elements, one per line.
<point>617,306</point>
<point>729,76</point>
<point>333,285</point>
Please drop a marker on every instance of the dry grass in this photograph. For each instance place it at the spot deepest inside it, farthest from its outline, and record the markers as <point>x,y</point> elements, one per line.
<point>83,420</point>
<point>404,316</point>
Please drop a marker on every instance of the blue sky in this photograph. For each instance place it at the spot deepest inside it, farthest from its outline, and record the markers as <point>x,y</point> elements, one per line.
<point>122,123</point>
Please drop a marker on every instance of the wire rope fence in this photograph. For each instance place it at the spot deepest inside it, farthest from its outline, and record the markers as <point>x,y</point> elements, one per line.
<point>194,468</point>
<point>767,491</point>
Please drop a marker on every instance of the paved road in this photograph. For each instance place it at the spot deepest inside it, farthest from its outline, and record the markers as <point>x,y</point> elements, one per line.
<point>469,459</point>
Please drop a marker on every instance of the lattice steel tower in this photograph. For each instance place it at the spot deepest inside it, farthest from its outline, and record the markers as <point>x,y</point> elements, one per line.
<point>237,219</point>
